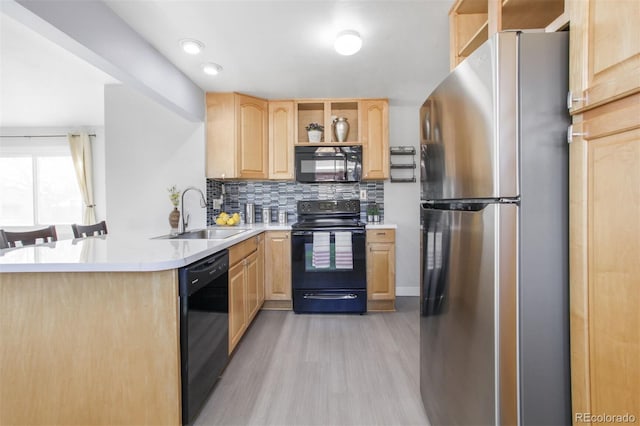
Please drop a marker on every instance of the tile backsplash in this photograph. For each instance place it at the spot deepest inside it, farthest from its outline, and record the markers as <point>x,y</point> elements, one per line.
<point>277,194</point>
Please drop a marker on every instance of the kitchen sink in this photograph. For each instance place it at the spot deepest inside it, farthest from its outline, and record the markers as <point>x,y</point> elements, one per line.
<point>205,234</point>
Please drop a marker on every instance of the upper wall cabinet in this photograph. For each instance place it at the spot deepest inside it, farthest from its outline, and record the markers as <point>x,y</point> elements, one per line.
<point>281,137</point>
<point>472,22</point>
<point>368,126</point>
<point>237,137</point>
<point>375,139</point>
<point>251,138</point>
<point>605,52</point>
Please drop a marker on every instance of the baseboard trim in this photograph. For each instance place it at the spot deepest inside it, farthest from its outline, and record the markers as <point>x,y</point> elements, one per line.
<point>277,305</point>
<point>407,291</point>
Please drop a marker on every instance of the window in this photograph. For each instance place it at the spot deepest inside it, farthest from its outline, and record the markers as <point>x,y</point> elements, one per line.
<point>38,183</point>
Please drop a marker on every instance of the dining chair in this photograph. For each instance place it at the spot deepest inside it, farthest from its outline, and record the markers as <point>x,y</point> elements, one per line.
<point>81,231</point>
<point>24,238</point>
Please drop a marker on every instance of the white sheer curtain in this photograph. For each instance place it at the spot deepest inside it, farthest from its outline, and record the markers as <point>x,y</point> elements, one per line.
<point>82,161</point>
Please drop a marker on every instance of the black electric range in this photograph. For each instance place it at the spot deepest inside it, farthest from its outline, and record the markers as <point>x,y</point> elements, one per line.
<point>329,258</point>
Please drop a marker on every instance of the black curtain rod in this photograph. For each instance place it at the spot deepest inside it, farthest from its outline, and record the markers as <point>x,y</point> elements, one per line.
<point>41,136</point>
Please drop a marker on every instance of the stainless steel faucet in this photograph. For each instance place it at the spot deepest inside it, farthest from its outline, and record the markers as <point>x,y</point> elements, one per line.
<point>185,218</point>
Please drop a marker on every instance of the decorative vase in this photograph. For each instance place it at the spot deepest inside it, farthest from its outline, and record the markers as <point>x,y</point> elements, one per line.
<point>341,129</point>
<point>174,218</point>
<point>314,135</point>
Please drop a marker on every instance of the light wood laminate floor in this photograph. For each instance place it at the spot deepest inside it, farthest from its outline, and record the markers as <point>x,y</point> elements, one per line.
<point>296,369</point>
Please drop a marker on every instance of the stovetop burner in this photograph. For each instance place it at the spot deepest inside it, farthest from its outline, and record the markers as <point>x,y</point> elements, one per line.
<point>320,214</point>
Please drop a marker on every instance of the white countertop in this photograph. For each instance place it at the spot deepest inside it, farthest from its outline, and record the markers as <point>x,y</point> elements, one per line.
<point>113,253</point>
<point>382,226</point>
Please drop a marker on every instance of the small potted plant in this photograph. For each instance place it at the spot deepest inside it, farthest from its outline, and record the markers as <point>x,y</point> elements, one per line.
<point>314,131</point>
<point>174,217</point>
<point>373,213</point>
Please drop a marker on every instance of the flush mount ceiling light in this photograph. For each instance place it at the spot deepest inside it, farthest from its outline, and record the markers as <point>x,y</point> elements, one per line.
<point>347,42</point>
<point>191,46</point>
<point>211,69</point>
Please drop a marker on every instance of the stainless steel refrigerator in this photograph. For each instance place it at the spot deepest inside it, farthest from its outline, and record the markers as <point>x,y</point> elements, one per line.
<point>494,324</point>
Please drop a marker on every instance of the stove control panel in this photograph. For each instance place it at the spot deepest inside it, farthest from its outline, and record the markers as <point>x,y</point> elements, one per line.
<point>328,206</point>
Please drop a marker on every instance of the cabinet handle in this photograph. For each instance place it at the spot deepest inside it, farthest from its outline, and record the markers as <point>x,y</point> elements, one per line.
<point>571,100</point>
<point>286,236</point>
<point>571,134</point>
<point>381,233</point>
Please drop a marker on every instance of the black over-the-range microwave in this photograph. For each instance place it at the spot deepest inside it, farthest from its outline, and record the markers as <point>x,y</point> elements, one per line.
<point>328,163</point>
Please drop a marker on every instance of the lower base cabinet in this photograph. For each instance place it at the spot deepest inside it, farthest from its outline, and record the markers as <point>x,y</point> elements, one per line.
<point>277,272</point>
<point>246,286</point>
<point>237,303</point>
<point>381,269</point>
<point>91,348</point>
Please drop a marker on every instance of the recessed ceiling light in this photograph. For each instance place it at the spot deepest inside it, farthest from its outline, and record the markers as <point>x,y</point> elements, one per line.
<point>191,46</point>
<point>348,42</point>
<point>211,69</point>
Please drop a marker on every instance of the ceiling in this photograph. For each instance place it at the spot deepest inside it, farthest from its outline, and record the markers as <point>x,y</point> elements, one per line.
<point>269,48</point>
<point>43,85</point>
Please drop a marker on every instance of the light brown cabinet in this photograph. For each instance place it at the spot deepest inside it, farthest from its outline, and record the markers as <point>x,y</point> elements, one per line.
<point>322,111</point>
<point>251,138</point>
<point>368,126</point>
<point>375,139</point>
<point>472,22</point>
<point>381,269</point>
<point>72,341</point>
<point>604,52</point>
<point>237,304</point>
<point>237,136</point>
<point>281,138</point>
<point>245,280</point>
<point>605,207</point>
<point>277,270</point>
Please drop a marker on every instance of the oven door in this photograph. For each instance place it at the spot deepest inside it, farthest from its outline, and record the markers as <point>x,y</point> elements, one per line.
<point>329,271</point>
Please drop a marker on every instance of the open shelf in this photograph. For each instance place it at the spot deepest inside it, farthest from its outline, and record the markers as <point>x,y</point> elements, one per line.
<point>479,37</point>
<point>404,162</point>
<point>310,112</point>
<point>473,22</point>
<point>324,111</point>
<point>530,14</point>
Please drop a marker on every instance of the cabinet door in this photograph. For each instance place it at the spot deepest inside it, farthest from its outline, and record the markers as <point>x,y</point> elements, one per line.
<point>260,254</point>
<point>381,269</point>
<point>252,123</point>
<point>221,147</point>
<point>237,304</point>
<point>375,139</point>
<point>281,134</point>
<point>604,253</point>
<point>605,51</point>
<point>251,274</point>
<point>278,265</point>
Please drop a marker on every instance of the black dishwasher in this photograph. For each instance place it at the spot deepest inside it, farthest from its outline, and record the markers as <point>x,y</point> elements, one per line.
<point>204,329</point>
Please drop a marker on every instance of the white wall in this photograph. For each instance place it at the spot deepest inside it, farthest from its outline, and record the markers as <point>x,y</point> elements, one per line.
<point>401,202</point>
<point>148,149</point>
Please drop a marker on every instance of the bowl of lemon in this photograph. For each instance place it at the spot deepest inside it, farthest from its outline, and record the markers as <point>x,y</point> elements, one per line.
<point>226,219</point>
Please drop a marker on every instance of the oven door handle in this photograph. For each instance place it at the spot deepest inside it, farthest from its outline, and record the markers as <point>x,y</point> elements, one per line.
<point>305,233</point>
<point>329,296</point>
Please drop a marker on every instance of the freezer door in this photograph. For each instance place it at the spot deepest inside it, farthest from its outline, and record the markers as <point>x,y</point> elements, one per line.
<point>468,127</point>
<point>468,340</point>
